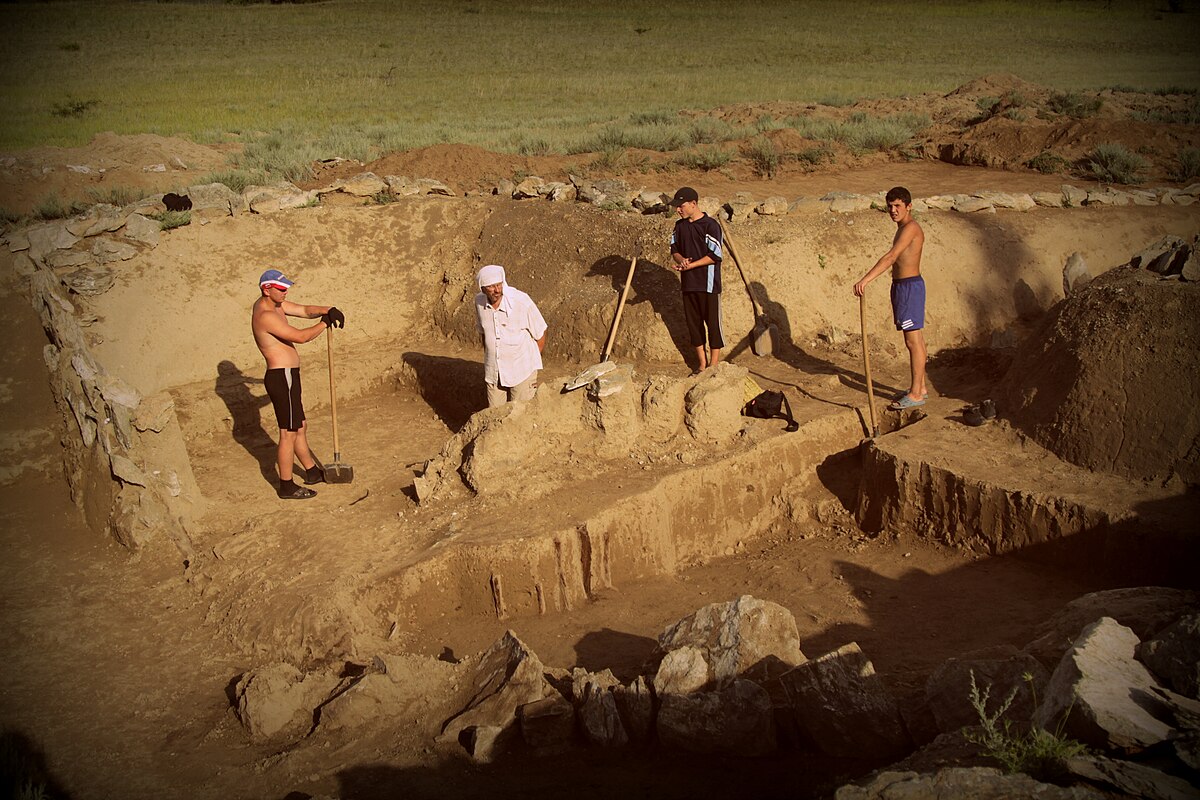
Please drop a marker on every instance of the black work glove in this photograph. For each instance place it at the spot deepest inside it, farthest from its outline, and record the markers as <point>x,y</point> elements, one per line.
<point>334,318</point>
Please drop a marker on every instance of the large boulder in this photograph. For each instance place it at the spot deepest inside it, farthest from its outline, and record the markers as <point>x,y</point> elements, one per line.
<point>840,706</point>
<point>276,702</point>
<point>734,720</point>
<point>713,406</point>
<point>962,782</point>
<point>1101,695</point>
<point>743,638</point>
<point>1174,655</point>
<point>948,690</point>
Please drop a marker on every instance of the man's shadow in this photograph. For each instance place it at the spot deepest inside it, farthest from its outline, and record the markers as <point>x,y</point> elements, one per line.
<point>654,284</point>
<point>234,390</point>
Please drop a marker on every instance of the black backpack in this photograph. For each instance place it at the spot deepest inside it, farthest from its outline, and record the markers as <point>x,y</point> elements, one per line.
<point>769,404</point>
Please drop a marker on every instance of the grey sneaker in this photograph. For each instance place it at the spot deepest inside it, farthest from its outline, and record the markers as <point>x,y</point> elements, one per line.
<point>988,409</point>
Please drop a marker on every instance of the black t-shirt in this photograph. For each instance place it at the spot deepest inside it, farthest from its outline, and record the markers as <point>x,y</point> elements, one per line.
<point>694,240</point>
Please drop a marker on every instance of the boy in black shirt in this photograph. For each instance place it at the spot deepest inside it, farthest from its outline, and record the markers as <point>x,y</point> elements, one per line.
<point>696,251</point>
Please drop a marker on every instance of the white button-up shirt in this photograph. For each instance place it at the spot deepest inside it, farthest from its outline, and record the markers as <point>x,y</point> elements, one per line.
<point>510,336</point>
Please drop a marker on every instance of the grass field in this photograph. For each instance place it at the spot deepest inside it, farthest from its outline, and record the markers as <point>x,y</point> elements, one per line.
<point>356,76</point>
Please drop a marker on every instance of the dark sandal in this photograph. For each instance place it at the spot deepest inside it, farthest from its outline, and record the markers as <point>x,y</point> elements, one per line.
<point>299,493</point>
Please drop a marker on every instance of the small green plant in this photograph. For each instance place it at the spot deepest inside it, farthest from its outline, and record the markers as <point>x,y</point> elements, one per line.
<point>814,156</point>
<point>117,195</point>
<point>313,202</point>
<point>381,198</point>
<point>1187,165</point>
<point>610,158</point>
<point>1188,115</point>
<point>52,207</point>
<point>821,262</point>
<point>1048,163</point>
<point>704,159</point>
<point>172,219</point>
<point>1074,105</point>
<point>1029,749</point>
<point>9,217</point>
<point>70,47</point>
<point>766,122</point>
<point>1112,163</point>
<point>710,130</point>
<point>73,108</point>
<point>654,118</point>
<point>762,155</point>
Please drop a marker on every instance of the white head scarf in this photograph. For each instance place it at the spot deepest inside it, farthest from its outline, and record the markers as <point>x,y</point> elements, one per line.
<point>491,274</point>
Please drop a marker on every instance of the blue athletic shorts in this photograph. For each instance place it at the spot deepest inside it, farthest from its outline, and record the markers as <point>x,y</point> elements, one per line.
<point>908,303</point>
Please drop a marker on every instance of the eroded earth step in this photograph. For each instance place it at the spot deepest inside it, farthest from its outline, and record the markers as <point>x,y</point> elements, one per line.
<point>992,490</point>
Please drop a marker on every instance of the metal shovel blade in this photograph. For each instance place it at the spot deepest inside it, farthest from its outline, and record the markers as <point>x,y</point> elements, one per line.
<point>590,374</point>
<point>337,472</point>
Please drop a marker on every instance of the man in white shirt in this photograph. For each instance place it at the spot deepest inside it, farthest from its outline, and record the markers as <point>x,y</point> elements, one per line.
<point>513,333</point>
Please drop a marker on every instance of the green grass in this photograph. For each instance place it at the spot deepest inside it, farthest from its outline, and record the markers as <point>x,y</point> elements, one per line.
<point>173,219</point>
<point>862,132</point>
<point>705,158</point>
<point>1187,165</point>
<point>354,77</point>
<point>1074,104</point>
<point>116,195</point>
<point>1019,748</point>
<point>762,155</point>
<point>1048,163</point>
<point>1112,163</point>
<point>237,179</point>
<point>53,207</point>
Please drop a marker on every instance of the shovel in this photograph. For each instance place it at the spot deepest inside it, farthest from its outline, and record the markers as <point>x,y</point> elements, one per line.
<point>760,337</point>
<point>337,472</point>
<point>862,321</point>
<point>596,370</point>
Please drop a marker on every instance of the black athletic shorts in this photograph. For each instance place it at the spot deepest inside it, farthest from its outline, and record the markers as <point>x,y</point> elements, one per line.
<point>701,310</point>
<point>283,387</point>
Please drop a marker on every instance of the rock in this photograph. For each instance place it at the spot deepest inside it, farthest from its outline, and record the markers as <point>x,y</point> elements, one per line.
<point>276,197</point>
<point>45,239</point>
<point>547,724</point>
<point>772,206</point>
<point>1075,274</point>
<point>635,703</point>
<point>1009,200</point>
<point>1097,688</point>
<point>505,188</point>
<point>1146,610</point>
<point>681,671</point>
<point>947,692</point>
<point>599,718</point>
<point>18,241</point>
<point>744,638</point>
<point>561,192</point>
<point>735,720</point>
<point>212,201</point>
<point>581,679</point>
<point>1182,199</point>
<point>147,207</point>
<point>843,203</point>
<point>1048,199</point>
<point>941,202</point>
<point>713,406</point>
<point>508,675</point>
<point>740,207</point>
<point>401,186</point>
<point>100,218</point>
<point>431,186</point>
<point>107,250</point>
<point>533,186</point>
<point>1133,780</point>
<point>961,782</point>
<point>651,202</point>
<point>360,703</point>
<point>365,184</point>
<point>1073,196</point>
<point>1144,198</point>
<point>89,281</point>
<point>23,265</point>
<point>588,193</point>
<point>1190,271</point>
<point>970,204</point>
<point>710,206</point>
<point>276,702</point>
<point>1164,256</point>
<point>840,705</point>
<point>485,742</point>
<point>1174,655</point>
<point>65,259</point>
<point>141,229</point>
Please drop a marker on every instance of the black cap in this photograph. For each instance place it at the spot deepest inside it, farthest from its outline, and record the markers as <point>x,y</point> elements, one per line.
<point>684,195</point>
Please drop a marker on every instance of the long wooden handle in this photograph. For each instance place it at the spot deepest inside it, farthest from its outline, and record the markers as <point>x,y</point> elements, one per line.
<point>337,449</point>
<point>862,321</point>
<point>737,262</point>
<point>612,335</point>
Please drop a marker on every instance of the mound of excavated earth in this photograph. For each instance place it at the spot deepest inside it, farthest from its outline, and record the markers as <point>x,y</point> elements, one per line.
<point>1110,379</point>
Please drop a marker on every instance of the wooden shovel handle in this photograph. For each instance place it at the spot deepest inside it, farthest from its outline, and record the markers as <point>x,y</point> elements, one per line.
<point>612,335</point>
<point>337,450</point>
<point>862,321</point>
<point>737,262</point>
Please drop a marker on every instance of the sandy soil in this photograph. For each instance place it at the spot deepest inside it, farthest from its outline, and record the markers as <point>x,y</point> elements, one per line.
<point>118,669</point>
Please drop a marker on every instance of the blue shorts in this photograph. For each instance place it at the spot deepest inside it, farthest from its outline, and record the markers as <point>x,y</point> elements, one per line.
<point>908,303</point>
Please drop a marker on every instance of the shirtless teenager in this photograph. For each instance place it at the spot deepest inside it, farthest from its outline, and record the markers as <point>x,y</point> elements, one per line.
<point>277,340</point>
<point>908,291</point>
